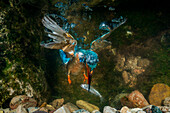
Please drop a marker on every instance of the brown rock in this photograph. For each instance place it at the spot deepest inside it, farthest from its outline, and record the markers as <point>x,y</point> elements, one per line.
<point>125,76</point>
<point>23,100</point>
<point>158,93</point>
<point>85,105</point>
<point>134,100</point>
<point>50,107</point>
<point>57,103</point>
<point>71,107</point>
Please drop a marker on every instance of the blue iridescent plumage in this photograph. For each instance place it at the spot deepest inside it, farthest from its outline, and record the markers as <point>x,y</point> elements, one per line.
<point>71,51</point>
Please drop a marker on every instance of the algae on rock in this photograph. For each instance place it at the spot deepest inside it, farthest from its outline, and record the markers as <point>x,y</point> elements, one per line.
<point>21,66</point>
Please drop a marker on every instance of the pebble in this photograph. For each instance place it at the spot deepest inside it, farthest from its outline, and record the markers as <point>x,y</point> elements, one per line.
<point>147,109</point>
<point>108,109</point>
<point>71,107</point>
<point>164,109</point>
<point>21,109</point>
<point>166,102</point>
<point>62,110</point>
<point>40,112</point>
<point>43,109</point>
<point>7,110</point>
<point>96,111</point>
<point>87,106</point>
<point>57,103</point>
<point>125,109</point>
<point>134,110</point>
<point>50,107</point>
<point>23,100</point>
<point>32,109</point>
<point>155,109</point>
<point>81,111</point>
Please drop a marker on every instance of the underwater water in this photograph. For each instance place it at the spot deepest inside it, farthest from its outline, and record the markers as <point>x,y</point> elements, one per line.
<point>134,56</point>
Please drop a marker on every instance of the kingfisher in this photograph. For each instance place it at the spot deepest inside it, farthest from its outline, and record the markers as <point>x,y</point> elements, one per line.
<point>77,59</point>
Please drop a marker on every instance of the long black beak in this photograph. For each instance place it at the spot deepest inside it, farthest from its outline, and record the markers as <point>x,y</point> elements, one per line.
<point>89,76</point>
<point>89,80</point>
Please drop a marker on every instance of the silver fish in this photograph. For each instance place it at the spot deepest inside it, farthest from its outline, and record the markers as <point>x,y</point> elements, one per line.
<point>92,90</point>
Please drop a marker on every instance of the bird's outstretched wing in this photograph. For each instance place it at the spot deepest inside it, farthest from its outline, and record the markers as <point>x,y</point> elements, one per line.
<point>60,38</point>
<point>100,42</point>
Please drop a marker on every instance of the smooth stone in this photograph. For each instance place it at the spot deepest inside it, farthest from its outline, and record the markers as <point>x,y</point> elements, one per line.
<point>43,109</point>
<point>57,103</point>
<point>108,109</point>
<point>158,93</point>
<point>62,110</point>
<point>71,107</point>
<point>166,102</point>
<point>21,109</point>
<point>32,109</point>
<point>43,104</point>
<point>39,112</point>
<point>81,111</point>
<point>87,106</point>
<point>134,100</point>
<point>7,110</point>
<point>50,107</point>
<point>164,109</point>
<point>125,109</point>
<point>22,100</point>
<point>116,103</point>
<point>140,111</point>
<point>96,111</point>
<point>134,110</point>
<point>12,111</point>
<point>155,109</point>
<point>147,109</point>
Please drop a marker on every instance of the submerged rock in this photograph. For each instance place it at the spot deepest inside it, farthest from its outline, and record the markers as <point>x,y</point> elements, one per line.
<point>164,109</point>
<point>43,109</point>
<point>155,109</point>
<point>125,109</point>
<point>134,99</point>
<point>158,93</point>
<point>23,100</point>
<point>57,103</point>
<point>87,106</point>
<point>147,109</point>
<point>116,103</point>
<point>108,109</point>
<point>62,110</point>
<point>50,107</point>
<point>136,110</point>
<point>81,111</point>
<point>96,111</point>
<point>71,107</point>
<point>32,109</point>
<point>166,102</point>
<point>21,109</point>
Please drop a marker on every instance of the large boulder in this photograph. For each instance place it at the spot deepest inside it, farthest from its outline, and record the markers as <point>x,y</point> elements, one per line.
<point>158,93</point>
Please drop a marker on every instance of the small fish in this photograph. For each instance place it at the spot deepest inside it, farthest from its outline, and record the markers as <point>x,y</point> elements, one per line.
<point>92,90</point>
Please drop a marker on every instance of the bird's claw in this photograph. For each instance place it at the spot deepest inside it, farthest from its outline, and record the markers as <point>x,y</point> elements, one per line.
<point>69,81</point>
<point>85,78</point>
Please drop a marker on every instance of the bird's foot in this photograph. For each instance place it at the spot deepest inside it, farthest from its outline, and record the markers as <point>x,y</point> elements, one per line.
<point>85,77</point>
<point>69,81</point>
